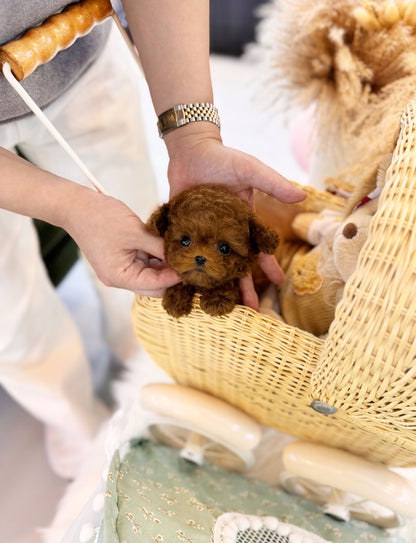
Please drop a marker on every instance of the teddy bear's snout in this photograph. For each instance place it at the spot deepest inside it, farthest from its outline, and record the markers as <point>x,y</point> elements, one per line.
<point>350,230</point>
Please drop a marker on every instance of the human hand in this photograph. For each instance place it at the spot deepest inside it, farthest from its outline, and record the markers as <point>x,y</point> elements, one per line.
<point>197,155</point>
<point>118,246</point>
<point>114,240</point>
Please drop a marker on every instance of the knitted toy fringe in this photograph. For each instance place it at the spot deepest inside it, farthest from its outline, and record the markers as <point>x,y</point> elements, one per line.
<point>354,61</point>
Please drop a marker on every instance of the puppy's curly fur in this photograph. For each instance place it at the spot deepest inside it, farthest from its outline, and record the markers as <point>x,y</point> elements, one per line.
<point>212,239</point>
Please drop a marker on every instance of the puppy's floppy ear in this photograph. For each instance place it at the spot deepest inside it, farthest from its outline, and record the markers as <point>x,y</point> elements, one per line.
<point>262,238</point>
<point>159,220</point>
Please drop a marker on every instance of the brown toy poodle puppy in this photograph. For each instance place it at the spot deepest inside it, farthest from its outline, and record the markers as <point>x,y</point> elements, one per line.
<point>212,239</point>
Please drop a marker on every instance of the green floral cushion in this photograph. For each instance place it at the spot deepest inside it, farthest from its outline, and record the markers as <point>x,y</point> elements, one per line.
<point>154,496</point>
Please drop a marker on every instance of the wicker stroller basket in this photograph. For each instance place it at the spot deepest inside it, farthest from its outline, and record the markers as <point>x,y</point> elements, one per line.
<point>365,369</point>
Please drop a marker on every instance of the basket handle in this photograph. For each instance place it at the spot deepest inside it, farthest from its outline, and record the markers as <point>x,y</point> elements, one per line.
<point>40,44</point>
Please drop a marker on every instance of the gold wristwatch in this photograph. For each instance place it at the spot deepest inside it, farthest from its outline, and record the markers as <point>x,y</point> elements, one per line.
<point>186,113</point>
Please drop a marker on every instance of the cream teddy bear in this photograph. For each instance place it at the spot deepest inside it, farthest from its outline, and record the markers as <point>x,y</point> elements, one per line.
<point>316,277</point>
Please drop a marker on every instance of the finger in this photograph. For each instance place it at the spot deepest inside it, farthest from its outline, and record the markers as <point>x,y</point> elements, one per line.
<point>262,177</point>
<point>249,295</point>
<point>145,280</point>
<point>152,293</point>
<point>154,245</point>
<point>157,264</point>
<point>271,268</point>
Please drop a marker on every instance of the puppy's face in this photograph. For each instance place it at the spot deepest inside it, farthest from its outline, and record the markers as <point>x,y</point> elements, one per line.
<point>207,253</point>
<point>211,235</point>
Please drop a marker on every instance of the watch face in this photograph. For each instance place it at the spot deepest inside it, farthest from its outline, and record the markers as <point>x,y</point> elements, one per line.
<point>169,119</point>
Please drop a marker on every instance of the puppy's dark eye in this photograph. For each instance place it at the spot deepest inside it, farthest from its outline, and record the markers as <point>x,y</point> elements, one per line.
<point>224,248</point>
<point>186,241</point>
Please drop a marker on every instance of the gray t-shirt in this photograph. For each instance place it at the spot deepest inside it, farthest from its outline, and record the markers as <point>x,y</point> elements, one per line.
<point>49,81</point>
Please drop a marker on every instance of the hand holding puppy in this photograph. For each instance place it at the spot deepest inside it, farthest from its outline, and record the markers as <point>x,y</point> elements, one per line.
<point>197,156</point>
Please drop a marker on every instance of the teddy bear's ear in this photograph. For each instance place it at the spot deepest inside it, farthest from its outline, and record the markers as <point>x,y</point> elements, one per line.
<point>262,238</point>
<point>159,220</point>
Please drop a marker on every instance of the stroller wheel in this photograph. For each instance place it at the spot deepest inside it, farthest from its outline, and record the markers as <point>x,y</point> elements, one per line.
<point>347,486</point>
<point>197,448</point>
<point>339,504</point>
<point>204,428</point>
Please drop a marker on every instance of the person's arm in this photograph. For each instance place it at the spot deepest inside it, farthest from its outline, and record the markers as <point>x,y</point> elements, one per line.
<point>172,37</point>
<point>111,236</point>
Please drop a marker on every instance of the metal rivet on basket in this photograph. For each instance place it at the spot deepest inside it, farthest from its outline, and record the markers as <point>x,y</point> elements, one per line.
<point>323,408</point>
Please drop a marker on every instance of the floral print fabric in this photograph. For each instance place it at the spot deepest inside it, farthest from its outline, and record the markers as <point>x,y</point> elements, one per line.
<point>154,496</point>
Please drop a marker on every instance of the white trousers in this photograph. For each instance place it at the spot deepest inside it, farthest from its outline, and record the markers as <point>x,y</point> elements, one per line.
<point>42,360</point>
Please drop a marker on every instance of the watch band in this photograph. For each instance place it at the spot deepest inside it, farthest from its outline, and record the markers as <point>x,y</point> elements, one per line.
<point>186,113</point>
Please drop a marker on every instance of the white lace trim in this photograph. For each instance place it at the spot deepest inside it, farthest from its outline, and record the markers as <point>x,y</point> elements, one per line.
<point>239,528</point>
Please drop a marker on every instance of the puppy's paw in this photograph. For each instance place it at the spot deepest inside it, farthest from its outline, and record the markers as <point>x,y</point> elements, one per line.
<point>217,304</point>
<point>177,300</point>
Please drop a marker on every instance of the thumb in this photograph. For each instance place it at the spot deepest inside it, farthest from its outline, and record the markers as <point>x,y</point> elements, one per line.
<point>266,179</point>
<point>151,244</point>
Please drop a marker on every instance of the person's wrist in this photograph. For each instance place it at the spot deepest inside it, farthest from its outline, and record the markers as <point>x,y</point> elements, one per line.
<point>186,137</point>
<point>71,201</point>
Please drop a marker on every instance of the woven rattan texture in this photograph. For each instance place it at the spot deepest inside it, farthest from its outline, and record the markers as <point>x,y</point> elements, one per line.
<point>366,367</point>
<point>257,364</point>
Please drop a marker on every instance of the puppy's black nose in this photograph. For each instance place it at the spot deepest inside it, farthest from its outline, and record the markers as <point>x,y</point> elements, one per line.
<point>200,260</point>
